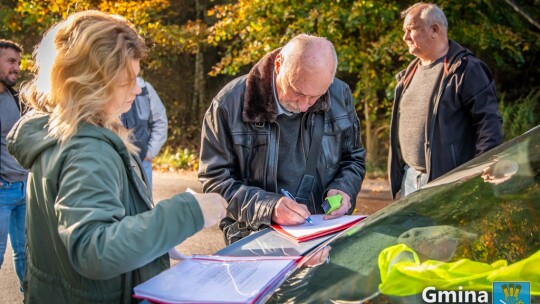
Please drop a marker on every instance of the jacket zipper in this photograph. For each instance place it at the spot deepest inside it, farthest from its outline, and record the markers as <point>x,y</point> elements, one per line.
<point>431,127</point>
<point>275,154</point>
<point>311,130</point>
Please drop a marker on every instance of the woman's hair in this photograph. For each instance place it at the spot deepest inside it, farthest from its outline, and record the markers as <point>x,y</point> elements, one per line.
<point>77,66</point>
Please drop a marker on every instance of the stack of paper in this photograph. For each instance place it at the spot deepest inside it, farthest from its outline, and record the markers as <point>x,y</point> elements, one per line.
<point>217,279</point>
<point>319,227</point>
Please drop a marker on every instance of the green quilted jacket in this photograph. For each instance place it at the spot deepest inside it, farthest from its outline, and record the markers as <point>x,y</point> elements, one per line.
<point>92,230</point>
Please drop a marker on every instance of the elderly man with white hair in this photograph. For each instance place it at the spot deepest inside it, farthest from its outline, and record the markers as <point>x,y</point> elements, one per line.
<point>277,141</point>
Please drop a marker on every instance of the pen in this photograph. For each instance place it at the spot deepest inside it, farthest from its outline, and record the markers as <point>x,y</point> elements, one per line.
<point>289,195</point>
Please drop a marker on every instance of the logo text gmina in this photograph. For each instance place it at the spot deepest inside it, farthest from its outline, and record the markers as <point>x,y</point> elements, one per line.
<point>432,295</point>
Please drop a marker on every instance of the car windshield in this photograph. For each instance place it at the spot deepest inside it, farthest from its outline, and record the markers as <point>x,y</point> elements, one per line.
<point>485,211</point>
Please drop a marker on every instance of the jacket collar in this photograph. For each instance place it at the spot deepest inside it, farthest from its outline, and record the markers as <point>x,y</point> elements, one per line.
<point>259,103</point>
<point>452,61</point>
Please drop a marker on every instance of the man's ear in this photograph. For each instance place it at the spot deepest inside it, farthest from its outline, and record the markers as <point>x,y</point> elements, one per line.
<point>435,30</point>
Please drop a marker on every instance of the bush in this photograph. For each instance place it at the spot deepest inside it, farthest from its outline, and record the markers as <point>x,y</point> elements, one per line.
<point>169,160</point>
<point>521,115</point>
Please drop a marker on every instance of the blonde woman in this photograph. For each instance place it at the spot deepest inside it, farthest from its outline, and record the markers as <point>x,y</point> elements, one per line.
<point>93,231</point>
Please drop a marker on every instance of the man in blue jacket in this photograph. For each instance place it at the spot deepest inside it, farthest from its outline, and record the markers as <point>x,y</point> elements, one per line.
<point>287,124</point>
<point>147,119</point>
<point>12,175</point>
<point>445,109</point>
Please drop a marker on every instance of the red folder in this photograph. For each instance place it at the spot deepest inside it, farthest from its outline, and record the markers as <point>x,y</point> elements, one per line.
<point>319,228</point>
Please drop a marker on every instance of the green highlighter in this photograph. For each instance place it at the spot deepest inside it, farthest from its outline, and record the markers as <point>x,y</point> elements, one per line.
<point>332,203</point>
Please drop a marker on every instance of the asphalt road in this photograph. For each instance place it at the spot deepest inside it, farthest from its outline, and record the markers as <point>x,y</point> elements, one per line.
<point>374,195</point>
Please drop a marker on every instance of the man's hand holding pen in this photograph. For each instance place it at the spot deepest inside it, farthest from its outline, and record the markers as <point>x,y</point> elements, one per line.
<point>289,212</point>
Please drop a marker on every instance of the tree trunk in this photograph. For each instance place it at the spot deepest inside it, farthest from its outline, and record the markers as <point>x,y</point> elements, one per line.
<point>199,84</point>
<point>199,89</point>
<point>371,137</point>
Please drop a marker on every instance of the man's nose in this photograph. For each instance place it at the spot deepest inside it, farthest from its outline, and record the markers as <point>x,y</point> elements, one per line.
<point>305,102</point>
<point>406,36</point>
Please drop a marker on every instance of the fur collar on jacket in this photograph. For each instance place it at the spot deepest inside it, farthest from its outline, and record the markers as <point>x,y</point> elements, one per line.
<point>259,103</point>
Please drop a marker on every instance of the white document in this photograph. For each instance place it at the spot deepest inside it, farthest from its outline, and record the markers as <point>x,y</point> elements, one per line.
<point>319,225</point>
<point>216,279</point>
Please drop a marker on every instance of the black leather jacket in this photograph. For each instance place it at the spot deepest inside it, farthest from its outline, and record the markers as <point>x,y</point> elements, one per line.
<point>239,149</point>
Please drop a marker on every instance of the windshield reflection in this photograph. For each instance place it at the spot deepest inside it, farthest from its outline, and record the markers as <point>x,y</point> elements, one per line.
<point>486,210</point>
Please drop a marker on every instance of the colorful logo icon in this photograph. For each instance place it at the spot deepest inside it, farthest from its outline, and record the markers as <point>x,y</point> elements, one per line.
<point>511,293</point>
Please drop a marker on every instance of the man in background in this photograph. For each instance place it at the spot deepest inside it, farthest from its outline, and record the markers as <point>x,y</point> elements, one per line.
<point>148,120</point>
<point>445,109</point>
<point>12,176</point>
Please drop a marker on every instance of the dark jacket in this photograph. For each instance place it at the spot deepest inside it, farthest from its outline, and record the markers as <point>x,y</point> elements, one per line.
<point>92,234</point>
<point>22,110</point>
<point>240,142</point>
<point>15,94</point>
<point>463,118</point>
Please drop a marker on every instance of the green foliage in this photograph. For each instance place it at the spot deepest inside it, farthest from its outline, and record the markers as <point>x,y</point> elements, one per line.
<point>373,171</point>
<point>501,37</point>
<point>37,16</point>
<point>171,160</point>
<point>521,115</point>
